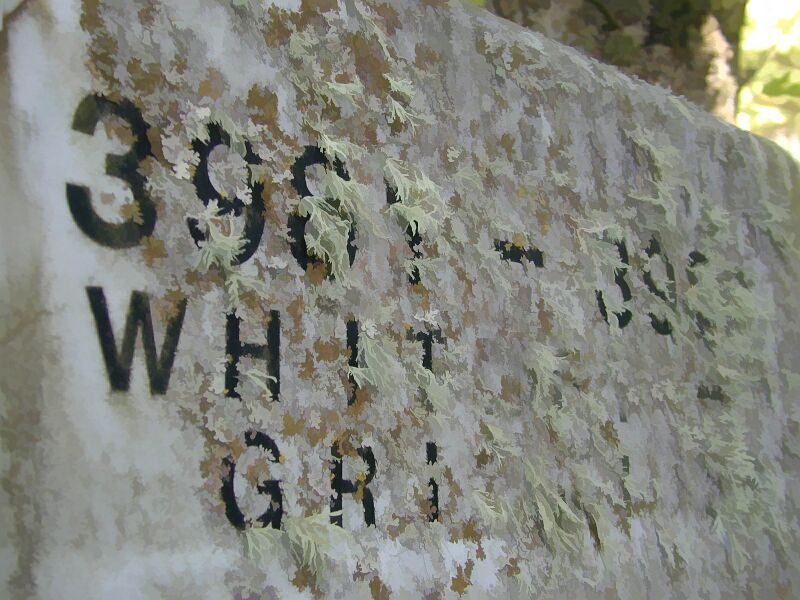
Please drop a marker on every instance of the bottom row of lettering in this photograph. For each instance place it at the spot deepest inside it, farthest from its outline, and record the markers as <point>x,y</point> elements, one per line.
<point>340,486</point>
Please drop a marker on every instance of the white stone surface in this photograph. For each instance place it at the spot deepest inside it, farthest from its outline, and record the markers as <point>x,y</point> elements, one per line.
<point>576,458</point>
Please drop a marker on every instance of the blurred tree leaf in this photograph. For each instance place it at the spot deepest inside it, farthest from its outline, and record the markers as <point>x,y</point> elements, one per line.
<point>780,86</point>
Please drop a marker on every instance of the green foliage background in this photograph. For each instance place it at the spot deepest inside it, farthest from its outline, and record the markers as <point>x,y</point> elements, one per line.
<point>769,96</point>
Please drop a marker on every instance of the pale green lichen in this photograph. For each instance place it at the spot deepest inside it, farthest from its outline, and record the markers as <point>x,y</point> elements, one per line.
<point>420,205</point>
<point>261,380</point>
<point>314,542</point>
<point>221,249</point>
<point>377,361</point>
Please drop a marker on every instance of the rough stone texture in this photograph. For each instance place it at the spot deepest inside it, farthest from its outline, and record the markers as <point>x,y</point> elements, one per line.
<point>582,290</point>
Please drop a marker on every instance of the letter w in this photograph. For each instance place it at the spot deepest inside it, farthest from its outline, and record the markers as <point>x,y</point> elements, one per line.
<point>118,364</point>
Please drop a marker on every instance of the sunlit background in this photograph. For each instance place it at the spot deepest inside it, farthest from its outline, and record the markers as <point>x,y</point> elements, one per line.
<point>769,100</point>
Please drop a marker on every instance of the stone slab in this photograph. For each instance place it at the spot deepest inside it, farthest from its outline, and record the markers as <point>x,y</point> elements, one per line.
<point>523,326</point>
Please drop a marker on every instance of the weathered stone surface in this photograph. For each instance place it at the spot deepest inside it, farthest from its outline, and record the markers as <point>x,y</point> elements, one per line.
<point>564,329</point>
